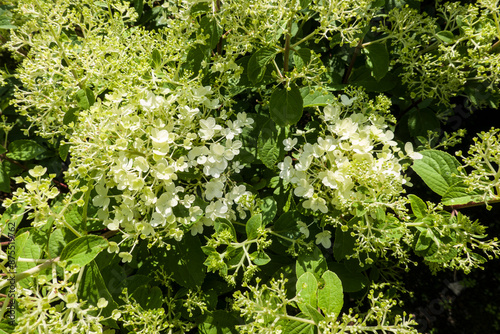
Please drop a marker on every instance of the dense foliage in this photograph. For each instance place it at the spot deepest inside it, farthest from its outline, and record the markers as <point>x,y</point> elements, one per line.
<point>223,166</point>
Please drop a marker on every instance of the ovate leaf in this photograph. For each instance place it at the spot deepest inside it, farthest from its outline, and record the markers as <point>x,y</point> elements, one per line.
<point>458,194</point>
<point>446,36</point>
<point>307,289</point>
<point>24,149</point>
<point>286,106</point>
<point>418,206</point>
<point>83,250</point>
<point>331,295</point>
<point>253,225</point>
<point>258,63</point>
<point>315,97</point>
<point>85,98</point>
<point>313,262</point>
<point>378,60</point>
<point>436,169</point>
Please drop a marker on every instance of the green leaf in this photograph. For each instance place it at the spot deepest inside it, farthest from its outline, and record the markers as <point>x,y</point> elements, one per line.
<point>343,244</point>
<point>315,97</point>
<point>11,218</point>
<point>458,194</point>
<point>420,121</point>
<point>4,179</point>
<point>63,151</point>
<point>83,250</point>
<point>418,206</point>
<point>351,281</point>
<point>313,313</point>
<point>194,58</point>
<point>2,149</point>
<point>269,148</point>
<point>258,63</point>
<point>199,8</point>
<point>71,116</point>
<point>313,262</point>
<point>224,224</point>
<point>187,271</point>
<point>286,106</point>
<point>436,169</point>
<point>85,98</point>
<point>331,295</point>
<point>24,149</point>
<point>307,290</point>
<point>253,225</point>
<point>378,59</point>
<point>156,58</point>
<point>424,240</point>
<point>305,3</point>
<point>31,250</point>
<point>58,240</point>
<point>298,327</point>
<point>21,240</point>
<point>211,28</point>
<point>6,19</point>
<point>269,209</point>
<point>446,36</point>
<point>260,258</point>
<point>92,288</point>
<point>148,298</point>
<point>219,322</point>
<point>301,58</point>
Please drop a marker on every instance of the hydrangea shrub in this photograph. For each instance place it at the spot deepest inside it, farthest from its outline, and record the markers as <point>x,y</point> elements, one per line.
<point>187,166</point>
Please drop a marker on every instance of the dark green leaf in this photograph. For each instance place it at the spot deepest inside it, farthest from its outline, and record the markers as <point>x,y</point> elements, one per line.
<point>187,271</point>
<point>4,179</point>
<point>305,3</point>
<point>418,206</point>
<point>83,250</point>
<point>301,58</point>
<point>446,36</point>
<point>258,63</point>
<point>219,322</point>
<point>58,240</point>
<point>313,262</point>
<point>286,106</point>
<point>211,28</point>
<point>148,298</point>
<point>458,194</point>
<point>156,58</point>
<point>85,98</point>
<point>63,151</point>
<point>269,209</point>
<point>316,97</point>
<point>378,59</point>
<point>24,149</point>
<point>253,225</point>
<point>422,120</point>
<point>269,148</point>
<point>436,169</point>
<point>343,244</point>
<point>92,288</point>
<point>260,258</point>
<point>351,281</point>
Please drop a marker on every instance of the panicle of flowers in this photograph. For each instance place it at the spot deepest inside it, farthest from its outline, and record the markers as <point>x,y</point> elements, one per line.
<point>354,159</point>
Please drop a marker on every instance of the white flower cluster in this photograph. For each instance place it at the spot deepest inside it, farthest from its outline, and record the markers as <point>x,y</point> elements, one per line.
<point>159,164</point>
<point>354,160</point>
